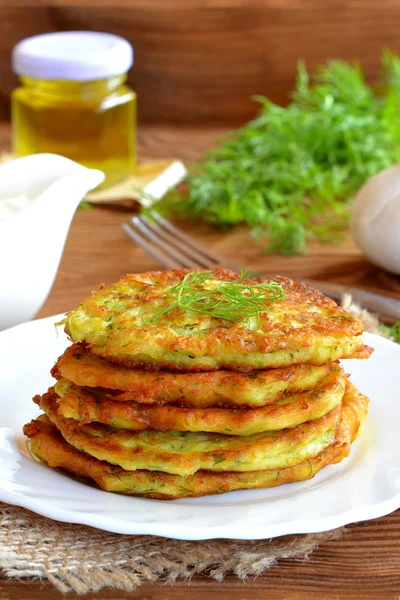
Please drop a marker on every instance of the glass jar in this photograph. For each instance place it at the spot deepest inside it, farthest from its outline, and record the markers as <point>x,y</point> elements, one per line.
<point>73,101</point>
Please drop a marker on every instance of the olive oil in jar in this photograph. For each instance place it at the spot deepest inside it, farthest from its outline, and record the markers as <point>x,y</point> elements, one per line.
<point>73,101</point>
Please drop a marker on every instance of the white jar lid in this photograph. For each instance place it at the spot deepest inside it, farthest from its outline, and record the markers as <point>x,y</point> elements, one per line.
<point>73,56</point>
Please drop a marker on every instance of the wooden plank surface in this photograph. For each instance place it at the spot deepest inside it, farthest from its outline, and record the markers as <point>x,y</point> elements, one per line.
<point>199,61</point>
<point>365,564</point>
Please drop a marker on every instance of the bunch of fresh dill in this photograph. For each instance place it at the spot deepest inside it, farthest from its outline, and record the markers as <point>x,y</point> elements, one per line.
<point>290,173</point>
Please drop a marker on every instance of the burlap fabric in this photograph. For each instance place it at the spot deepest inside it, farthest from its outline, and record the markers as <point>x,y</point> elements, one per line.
<point>82,559</point>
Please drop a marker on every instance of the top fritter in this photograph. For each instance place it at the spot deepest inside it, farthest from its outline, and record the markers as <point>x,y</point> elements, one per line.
<point>207,320</point>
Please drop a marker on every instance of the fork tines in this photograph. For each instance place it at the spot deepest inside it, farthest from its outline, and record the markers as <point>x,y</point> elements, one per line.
<point>170,246</point>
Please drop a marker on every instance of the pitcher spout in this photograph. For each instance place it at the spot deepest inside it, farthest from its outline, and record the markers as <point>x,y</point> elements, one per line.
<point>32,239</point>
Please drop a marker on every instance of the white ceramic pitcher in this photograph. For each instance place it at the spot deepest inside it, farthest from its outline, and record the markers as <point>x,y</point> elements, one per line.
<point>33,238</point>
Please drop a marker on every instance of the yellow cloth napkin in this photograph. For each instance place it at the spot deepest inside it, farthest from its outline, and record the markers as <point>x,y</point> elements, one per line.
<point>151,182</point>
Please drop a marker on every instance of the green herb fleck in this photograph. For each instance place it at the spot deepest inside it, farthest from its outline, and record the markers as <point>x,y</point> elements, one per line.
<point>83,205</point>
<point>392,331</point>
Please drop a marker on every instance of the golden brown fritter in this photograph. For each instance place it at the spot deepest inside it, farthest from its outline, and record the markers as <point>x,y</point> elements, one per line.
<point>48,445</point>
<point>213,388</point>
<point>122,323</point>
<point>184,453</point>
<point>89,405</point>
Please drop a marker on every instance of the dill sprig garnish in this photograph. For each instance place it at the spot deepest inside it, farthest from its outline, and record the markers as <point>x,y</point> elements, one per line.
<point>234,301</point>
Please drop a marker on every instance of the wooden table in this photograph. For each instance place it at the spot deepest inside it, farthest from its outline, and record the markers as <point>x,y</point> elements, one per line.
<point>365,563</point>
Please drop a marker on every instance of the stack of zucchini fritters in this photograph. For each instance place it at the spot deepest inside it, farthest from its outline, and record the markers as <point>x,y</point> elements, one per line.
<point>182,384</point>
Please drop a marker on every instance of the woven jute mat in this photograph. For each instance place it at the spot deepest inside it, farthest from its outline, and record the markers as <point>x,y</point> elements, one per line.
<point>82,559</point>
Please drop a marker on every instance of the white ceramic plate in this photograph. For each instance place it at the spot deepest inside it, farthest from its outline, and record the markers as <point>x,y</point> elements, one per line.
<point>364,486</point>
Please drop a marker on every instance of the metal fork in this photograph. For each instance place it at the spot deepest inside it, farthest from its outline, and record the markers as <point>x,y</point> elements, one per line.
<point>173,249</point>
<point>170,246</point>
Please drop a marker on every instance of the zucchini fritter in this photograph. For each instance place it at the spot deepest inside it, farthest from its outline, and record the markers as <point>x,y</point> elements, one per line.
<point>214,388</point>
<point>48,445</point>
<point>89,405</point>
<point>184,453</point>
<point>121,323</point>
